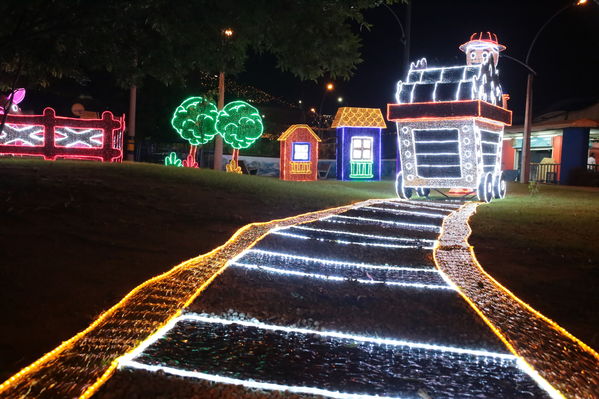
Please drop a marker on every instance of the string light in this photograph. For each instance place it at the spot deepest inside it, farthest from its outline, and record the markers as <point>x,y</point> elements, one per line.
<point>338,241</point>
<point>450,124</point>
<point>53,137</point>
<point>129,361</point>
<point>358,143</point>
<point>373,236</point>
<point>551,344</point>
<point>240,124</point>
<point>426,269</point>
<point>337,278</point>
<point>299,153</point>
<point>198,273</point>
<point>414,226</point>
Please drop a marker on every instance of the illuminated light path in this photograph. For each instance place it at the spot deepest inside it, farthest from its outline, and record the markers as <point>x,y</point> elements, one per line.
<point>368,301</point>
<point>244,330</point>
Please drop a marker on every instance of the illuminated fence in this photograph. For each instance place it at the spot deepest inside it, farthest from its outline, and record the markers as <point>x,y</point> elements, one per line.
<point>54,137</point>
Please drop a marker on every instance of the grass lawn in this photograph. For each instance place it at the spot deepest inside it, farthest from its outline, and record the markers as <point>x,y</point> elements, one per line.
<point>77,236</point>
<point>545,249</point>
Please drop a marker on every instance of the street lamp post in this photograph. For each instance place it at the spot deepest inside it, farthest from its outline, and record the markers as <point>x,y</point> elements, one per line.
<point>218,140</point>
<point>525,157</point>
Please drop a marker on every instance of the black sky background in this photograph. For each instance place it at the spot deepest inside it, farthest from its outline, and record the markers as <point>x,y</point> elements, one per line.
<point>566,55</point>
<point>566,58</point>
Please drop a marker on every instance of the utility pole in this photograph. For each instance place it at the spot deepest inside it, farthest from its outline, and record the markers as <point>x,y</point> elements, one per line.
<point>131,124</point>
<point>218,140</point>
<point>407,35</point>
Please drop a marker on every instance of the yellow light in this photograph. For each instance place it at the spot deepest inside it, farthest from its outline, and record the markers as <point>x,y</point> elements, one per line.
<point>330,86</point>
<point>243,239</point>
<point>228,32</point>
<point>581,2</point>
<point>439,256</point>
<point>313,110</point>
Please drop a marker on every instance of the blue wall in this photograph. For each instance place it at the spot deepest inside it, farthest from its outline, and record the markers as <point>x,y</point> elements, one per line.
<point>575,149</point>
<point>344,135</point>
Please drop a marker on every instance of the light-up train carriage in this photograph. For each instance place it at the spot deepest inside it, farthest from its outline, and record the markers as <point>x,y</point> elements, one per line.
<point>450,123</point>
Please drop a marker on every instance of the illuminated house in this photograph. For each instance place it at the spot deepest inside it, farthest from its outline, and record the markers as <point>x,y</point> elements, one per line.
<point>358,143</point>
<point>450,123</point>
<point>299,153</point>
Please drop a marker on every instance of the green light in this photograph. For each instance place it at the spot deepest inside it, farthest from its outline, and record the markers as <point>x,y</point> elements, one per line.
<point>173,160</point>
<point>240,124</point>
<point>195,120</point>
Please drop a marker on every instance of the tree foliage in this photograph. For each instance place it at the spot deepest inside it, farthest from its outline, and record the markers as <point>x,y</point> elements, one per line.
<point>240,124</point>
<point>195,120</point>
<point>45,40</point>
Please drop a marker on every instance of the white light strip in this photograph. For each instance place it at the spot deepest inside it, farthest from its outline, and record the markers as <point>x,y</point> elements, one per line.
<point>366,244</point>
<point>489,142</point>
<point>332,334</point>
<point>405,212</point>
<point>434,154</point>
<point>532,373</point>
<point>432,227</point>
<point>251,383</point>
<point>439,166</point>
<point>337,278</point>
<point>127,360</point>
<point>350,233</point>
<point>435,141</point>
<point>424,204</point>
<point>428,269</point>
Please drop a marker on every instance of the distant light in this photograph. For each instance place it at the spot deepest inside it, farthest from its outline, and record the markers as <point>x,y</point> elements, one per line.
<point>313,110</point>
<point>340,99</point>
<point>264,116</point>
<point>581,2</point>
<point>228,32</point>
<point>330,86</point>
<point>299,102</point>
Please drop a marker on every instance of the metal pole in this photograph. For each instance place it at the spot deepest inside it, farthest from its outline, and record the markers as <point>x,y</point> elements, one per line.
<point>218,141</point>
<point>407,35</point>
<point>525,156</point>
<point>131,123</point>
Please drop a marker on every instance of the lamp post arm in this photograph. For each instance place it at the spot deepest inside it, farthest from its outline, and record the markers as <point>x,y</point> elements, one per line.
<point>403,32</point>
<point>528,68</point>
<point>564,8</point>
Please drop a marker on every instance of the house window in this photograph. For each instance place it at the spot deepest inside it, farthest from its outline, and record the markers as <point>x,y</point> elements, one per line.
<point>301,152</point>
<point>361,149</point>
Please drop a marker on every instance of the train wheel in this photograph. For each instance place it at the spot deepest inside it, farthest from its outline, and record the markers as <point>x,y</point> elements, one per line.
<point>401,190</point>
<point>499,186</point>
<point>485,188</point>
<point>423,192</point>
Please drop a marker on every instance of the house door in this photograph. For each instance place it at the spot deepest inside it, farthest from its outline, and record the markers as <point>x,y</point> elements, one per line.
<point>361,159</point>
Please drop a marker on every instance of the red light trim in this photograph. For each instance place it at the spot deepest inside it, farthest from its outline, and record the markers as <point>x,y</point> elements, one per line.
<point>111,149</point>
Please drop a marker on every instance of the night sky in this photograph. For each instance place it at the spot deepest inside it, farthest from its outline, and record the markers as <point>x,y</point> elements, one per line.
<point>566,55</point>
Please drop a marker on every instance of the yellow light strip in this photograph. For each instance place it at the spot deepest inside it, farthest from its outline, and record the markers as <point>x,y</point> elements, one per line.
<point>438,253</point>
<point>25,373</point>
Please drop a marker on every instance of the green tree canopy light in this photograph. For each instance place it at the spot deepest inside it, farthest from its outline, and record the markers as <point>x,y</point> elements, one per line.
<point>240,124</point>
<point>195,120</point>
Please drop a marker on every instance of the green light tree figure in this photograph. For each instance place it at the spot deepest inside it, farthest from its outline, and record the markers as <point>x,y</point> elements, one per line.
<point>195,121</point>
<point>240,125</point>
